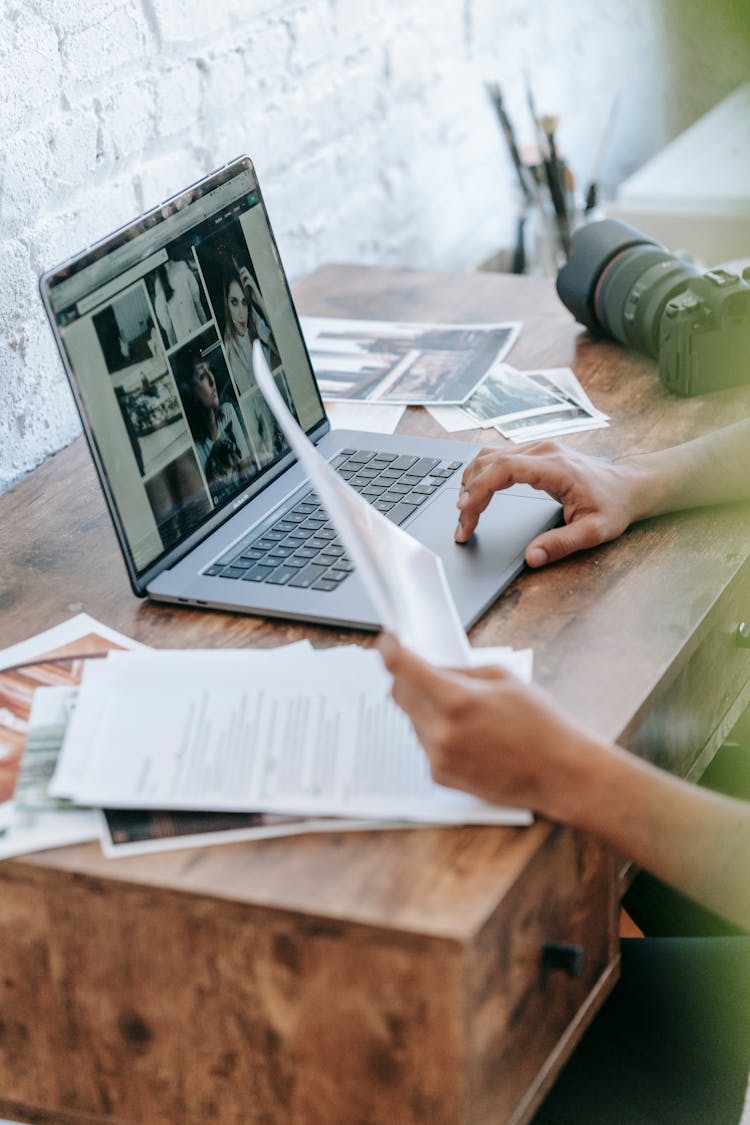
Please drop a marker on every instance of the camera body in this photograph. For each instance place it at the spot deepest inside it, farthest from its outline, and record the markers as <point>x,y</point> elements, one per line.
<point>704,335</point>
<point>619,283</point>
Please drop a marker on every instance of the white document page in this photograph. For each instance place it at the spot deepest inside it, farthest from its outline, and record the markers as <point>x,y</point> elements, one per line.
<point>404,579</point>
<point>80,742</point>
<point>453,419</point>
<point>320,736</point>
<point>370,417</point>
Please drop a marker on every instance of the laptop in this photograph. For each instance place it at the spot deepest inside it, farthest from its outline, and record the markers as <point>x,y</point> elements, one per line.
<point>155,326</point>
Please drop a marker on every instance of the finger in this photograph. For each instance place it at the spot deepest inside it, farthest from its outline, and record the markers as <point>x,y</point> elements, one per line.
<point>401,662</point>
<point>389,648</point>
<point>481,480</point>
<point>490,672</point>
<point>392,653</point>
<point>545,472</point>
<point>490,456</point>
<point>580,535</point>
<point>479,466</point>
<point>418,687</point>
<point>542,471</point>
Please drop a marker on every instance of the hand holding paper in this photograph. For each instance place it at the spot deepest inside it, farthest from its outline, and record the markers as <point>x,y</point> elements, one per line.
<point>404,579</point>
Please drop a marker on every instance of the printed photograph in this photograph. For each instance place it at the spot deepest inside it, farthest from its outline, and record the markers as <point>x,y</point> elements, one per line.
<point>507,393</point>
<point>135,831</point>
<point>534,426</point>
<point>576,411</point>
<point>26,815</point>
<point>409,364</point>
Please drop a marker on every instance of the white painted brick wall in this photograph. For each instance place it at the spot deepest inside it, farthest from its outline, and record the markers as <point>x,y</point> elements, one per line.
<point>366,119</point>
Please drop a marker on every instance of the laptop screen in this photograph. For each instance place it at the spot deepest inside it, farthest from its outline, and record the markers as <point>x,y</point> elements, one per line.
<point>157,324</point>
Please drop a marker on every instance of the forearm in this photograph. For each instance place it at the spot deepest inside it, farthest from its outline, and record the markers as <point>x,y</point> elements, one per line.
<point>713,469</point>
<point>694,839</point>
<point>487,733</point>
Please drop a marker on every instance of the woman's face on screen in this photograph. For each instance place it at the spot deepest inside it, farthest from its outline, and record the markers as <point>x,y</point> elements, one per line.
<point>205,386</point>
<point>237,305</point>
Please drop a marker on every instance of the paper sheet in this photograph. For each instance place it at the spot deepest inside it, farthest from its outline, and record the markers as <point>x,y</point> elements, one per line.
<point>80,737</point>
<point>403,362</point>
<point>574,410</point>
<point>369,417</point>
<point>54,641</point>
<point>269,827</point>
<point>323,739</point>
<point>405,581</point>
<point>453,419</point>
<point>54,657</point>
<point>39,822</point>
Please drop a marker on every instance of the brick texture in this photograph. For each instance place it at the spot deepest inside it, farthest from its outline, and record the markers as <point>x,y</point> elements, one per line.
<point>368,123</point>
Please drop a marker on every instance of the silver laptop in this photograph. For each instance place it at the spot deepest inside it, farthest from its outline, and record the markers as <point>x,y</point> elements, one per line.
<point>155,327</point>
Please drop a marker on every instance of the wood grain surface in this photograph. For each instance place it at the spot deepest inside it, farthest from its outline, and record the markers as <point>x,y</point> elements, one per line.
<point>378,976</point>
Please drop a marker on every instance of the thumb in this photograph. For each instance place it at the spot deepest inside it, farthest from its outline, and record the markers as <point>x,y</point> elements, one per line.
<point>566,540</point>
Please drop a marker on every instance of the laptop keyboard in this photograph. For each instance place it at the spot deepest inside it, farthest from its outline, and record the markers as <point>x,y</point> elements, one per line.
<point>301,547</point>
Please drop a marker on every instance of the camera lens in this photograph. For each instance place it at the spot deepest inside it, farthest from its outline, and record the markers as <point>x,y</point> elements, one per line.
<point>618,282</point>
<point>633,291</point>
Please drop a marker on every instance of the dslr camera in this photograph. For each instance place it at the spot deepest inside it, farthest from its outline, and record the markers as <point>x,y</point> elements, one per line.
<point>696,323</point>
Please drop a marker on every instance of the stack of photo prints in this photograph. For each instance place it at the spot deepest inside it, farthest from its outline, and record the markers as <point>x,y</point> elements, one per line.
<point>457,371</point>
<point>525,405</point>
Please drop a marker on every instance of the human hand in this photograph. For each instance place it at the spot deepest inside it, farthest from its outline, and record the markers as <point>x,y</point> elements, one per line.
<point>599,498</point>
<point>486,732</point>
<point>248,282</point>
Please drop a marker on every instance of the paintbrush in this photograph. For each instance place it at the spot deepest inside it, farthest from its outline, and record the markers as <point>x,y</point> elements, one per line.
<point>556,179</point>
<point>592,191</point>
<point>496,96</point>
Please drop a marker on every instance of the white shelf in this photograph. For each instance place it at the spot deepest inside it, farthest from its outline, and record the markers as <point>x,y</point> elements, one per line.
<point>694,196</point>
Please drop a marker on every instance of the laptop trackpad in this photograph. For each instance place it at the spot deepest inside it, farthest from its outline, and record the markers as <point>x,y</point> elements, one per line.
<point>494,555</point>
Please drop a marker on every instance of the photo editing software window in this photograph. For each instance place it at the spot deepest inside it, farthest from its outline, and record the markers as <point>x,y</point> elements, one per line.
<point>158,335</point>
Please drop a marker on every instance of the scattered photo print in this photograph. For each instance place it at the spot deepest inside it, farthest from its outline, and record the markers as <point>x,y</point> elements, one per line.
<point>505,392</point>
<point>378,361</point>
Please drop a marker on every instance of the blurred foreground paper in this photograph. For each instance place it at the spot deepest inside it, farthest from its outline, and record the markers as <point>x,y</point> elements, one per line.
<point>405,581</point>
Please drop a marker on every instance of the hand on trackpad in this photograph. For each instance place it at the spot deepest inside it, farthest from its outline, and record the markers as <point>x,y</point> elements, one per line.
<point>504,531</point>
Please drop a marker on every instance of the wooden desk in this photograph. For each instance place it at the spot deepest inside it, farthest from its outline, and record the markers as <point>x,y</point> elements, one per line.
<point>378,977</point>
